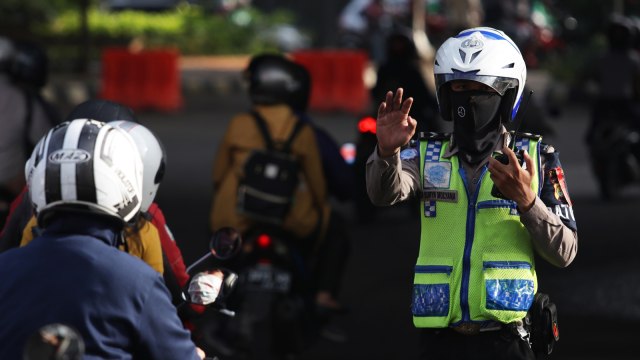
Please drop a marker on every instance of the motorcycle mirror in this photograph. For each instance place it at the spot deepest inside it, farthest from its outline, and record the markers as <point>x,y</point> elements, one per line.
<point>225,243</point>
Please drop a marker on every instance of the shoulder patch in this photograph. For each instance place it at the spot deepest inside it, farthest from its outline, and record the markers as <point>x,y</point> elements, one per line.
<point>434,136</point>
<point>408,154</point>
<point>546,148</point>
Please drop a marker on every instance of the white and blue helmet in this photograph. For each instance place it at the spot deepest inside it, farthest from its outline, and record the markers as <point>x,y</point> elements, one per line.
<point>153,159</point>
<point>485,55</point>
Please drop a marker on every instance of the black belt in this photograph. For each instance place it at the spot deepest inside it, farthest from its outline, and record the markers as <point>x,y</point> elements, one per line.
<point>475,328</point>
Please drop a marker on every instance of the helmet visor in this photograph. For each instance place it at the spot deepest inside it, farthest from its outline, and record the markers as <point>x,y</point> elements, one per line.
<point>497,83</point>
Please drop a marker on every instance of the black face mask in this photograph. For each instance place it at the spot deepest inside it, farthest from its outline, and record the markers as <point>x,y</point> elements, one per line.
<point>476,123</point>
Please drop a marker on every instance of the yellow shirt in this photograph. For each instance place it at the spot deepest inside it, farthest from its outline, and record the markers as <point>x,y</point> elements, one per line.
<point>148,248</point>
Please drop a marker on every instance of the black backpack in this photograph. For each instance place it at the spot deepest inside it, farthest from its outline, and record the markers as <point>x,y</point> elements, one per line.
<point>266,191</point>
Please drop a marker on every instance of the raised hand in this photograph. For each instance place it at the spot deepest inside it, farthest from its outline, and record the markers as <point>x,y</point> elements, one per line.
<point>394,125</point>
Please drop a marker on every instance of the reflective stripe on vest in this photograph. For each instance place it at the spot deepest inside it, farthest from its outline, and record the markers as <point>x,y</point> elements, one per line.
<point>476,261</point>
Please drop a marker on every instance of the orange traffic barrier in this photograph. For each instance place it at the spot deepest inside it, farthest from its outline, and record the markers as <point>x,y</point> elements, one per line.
<point>337,78</point>
<point>148,79</point>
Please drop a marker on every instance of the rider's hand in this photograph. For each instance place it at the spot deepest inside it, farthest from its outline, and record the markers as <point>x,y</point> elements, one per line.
<point>201,353</point>
<point>204,288</point>
<point>394,125</point>
<point>514,181</point>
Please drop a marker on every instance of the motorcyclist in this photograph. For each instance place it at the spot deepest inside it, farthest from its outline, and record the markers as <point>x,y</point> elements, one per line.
<point>119,304</point>
<point>614,82</point>
<point>30,72</point>
<point>616,77</point>
<point>271,85</point>
<point>403,68</point>
<point>336,245</point>
<point>148,236</point>
<point>22,126</point>
<point>21,211</point>
<point>339,175</point>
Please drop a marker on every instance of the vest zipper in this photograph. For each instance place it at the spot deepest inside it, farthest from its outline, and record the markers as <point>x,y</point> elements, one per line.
<point>468,243</point>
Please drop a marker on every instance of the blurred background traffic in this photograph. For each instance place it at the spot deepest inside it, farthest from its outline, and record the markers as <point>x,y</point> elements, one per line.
<point>179,65</point>
<point>557,36</point>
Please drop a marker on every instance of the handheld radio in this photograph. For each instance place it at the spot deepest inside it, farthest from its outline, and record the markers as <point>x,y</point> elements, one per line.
<point>503,158</point>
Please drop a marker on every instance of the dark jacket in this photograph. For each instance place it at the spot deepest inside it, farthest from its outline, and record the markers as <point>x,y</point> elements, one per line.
<point>20,213</point>
<point>340,176</point>
<point>73,274</point>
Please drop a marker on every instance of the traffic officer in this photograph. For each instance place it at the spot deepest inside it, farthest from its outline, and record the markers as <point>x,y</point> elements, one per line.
<point>475,277</point>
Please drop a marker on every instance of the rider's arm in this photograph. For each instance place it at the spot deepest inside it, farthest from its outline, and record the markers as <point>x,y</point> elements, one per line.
<point>160,332</point>
<point>169,246</point>
<point>551,222</point>
<point>392,179</point>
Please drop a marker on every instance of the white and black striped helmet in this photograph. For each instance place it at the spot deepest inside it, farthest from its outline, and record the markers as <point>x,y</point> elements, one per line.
<point>85,165</point>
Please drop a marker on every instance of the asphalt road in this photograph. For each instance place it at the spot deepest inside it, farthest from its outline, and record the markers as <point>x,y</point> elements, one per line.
<point>598,296</point>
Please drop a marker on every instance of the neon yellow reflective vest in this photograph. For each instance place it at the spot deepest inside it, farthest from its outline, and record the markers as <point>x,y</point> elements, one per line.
<point>476,261</point>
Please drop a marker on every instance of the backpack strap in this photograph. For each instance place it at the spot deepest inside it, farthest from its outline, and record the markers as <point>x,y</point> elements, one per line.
<point>296,129</point>
<point>262,125</point>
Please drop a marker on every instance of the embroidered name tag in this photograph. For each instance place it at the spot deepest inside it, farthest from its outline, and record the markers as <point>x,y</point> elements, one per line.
<point>437,175</point>
<point>441,195</point>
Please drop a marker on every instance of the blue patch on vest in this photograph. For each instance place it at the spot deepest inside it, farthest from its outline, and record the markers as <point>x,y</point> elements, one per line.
<point>430,300</point>
<point>408,154</point>
<point>437,175</point>
<point>509,294</point>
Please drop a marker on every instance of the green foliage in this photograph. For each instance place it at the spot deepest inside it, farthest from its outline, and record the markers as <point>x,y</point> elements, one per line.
<point>187,28</point>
